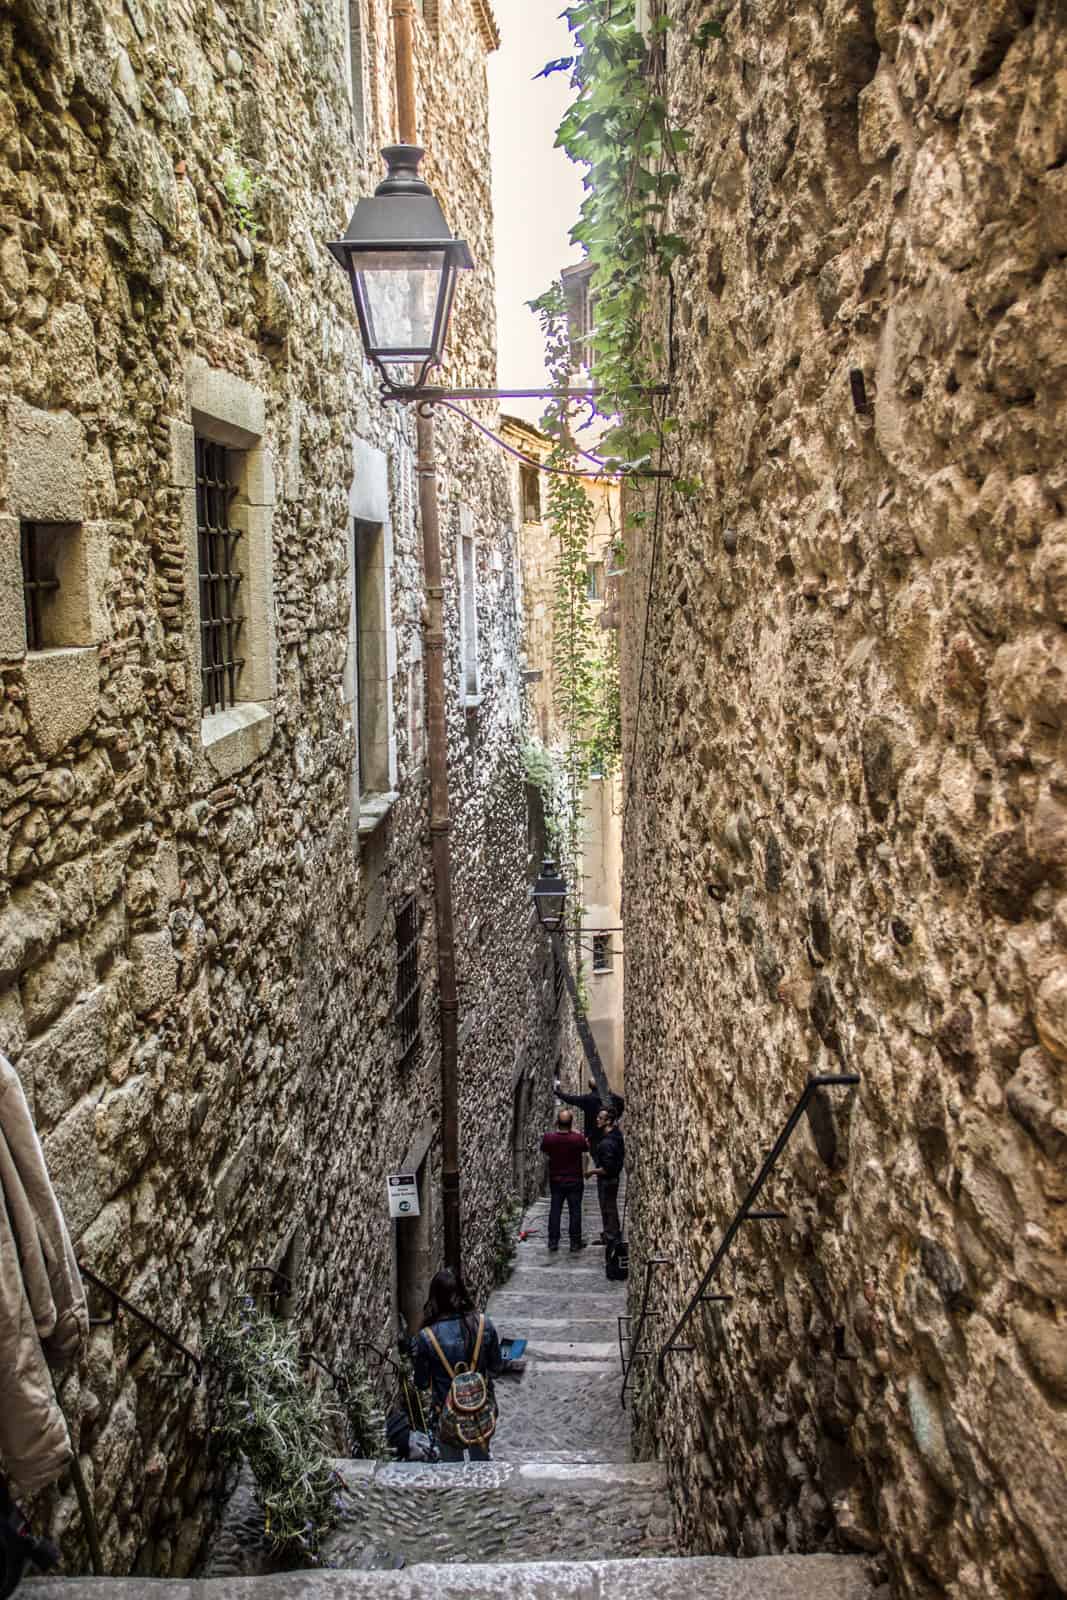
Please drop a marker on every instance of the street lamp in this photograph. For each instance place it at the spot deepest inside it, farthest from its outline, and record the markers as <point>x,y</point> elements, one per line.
<point>402,263</point>
<point>550,897</point>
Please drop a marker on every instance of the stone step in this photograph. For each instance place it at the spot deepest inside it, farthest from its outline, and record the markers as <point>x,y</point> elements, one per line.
<point>504,1510</point>
<point>696,1578</point>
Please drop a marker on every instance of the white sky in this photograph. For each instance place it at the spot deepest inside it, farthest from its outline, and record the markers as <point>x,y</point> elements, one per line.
<point>536,189</point>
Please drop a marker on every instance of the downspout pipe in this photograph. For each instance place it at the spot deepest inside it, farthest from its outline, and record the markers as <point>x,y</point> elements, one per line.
<point>436,725</point>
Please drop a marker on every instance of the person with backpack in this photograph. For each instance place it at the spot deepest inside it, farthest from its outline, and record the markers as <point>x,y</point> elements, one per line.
<point>457,1356</point>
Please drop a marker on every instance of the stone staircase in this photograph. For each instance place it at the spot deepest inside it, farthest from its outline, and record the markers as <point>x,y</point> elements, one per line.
<point>560,1513</point>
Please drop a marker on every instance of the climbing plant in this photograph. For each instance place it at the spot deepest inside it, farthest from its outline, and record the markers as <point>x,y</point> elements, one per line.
<point>618,127</point>
<point>584,669</point>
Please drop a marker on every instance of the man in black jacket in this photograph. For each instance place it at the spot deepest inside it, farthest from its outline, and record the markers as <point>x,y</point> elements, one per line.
<point>609,1156</point>
<point>590,1105</point>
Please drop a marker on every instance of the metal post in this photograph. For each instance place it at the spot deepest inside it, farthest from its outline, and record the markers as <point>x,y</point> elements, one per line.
<point>436,726</point>
<point>404,67</point>
<point>440,825</point>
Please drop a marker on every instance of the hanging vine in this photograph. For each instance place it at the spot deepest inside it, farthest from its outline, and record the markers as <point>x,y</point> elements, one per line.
<point>585,684</point>
<point>618,128</point>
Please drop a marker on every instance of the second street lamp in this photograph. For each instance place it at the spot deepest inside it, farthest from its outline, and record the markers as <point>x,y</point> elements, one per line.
<point>550,898</point>
<point>402,263</point>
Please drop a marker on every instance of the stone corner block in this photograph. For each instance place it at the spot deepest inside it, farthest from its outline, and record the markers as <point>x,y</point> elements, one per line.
<point>62,695</point>
<point>224,407</point>
<point>154,970</point>
<point>12,599</point>
<point>45,464</point>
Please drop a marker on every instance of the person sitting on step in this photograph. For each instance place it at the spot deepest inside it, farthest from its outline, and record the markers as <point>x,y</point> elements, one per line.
<point>455,1336</point>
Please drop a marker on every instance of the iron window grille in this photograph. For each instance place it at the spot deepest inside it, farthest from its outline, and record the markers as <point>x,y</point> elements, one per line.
<point>38,579</point>
<point>408,984</point>
<point>221,620</point>
<point>559,981</point>
<point>603,959</point>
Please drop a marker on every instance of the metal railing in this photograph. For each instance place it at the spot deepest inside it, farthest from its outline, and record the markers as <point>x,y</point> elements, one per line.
<point>119,1302</point>
<point>635,1351</point>
<point>746,1212</point>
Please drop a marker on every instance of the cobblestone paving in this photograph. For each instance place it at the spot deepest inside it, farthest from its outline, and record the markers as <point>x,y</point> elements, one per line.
<point>560,1486</point>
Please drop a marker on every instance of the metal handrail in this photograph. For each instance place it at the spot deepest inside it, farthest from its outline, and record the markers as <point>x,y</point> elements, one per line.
<point>118,1301</point>
<point>745,1213</point>
<point>642,1317</point>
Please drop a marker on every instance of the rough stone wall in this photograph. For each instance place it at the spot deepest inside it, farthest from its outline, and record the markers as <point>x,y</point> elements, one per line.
<point>846,839</point>
<point>197,954</point>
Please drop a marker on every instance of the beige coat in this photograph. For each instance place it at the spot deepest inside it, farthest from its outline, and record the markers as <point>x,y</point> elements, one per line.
<point>43,1315</point>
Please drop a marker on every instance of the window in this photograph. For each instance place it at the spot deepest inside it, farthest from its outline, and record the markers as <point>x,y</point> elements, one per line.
<point>39,583</point>
<point>372,672</point>
<point>468,617</point>
<point>594,573</point>
<point>354,67</point>
<point>221,617</point>
<point>56,585</point>
<point>603,957</point>
<point>530,483</point>
<point>408,986</point>
<point>559,980</point>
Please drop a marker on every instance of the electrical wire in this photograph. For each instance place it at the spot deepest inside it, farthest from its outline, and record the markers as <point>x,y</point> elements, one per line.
<point>542,466</point>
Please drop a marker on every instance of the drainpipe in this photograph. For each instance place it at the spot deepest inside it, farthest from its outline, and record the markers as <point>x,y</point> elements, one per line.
<point>437,731</point>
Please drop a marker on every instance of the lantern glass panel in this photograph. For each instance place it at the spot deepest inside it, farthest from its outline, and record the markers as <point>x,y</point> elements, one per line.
<point>399,292</point>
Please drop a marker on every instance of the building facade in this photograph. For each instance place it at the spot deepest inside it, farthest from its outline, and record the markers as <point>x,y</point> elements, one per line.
<point>598,897</point>
<point>846,833</point>
<point>217,937</point>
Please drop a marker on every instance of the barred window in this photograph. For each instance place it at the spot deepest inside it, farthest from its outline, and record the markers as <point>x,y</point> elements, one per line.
<point>559,981</point>
<point>603,956</point>
<point>408,985</point>
<point>221,611</point>
<point>39,580</point>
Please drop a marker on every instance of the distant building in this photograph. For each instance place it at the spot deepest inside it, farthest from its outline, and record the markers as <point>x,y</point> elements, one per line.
<point>601,948</point>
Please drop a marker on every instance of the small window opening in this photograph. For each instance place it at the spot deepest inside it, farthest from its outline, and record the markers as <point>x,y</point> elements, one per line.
<point>354,69</point>
<point>40,583</point>
<point>530,480</point>
<point>594,573</point>
<point>559,981</point>
<point>469,616</point>
<point>603,955</point>
<point>221,613</point>
<point>372,668</point>
<point>408,985</point>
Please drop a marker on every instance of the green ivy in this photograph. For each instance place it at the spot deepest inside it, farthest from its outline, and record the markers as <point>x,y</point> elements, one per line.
<point>585,680</point>
<point>619,129</point>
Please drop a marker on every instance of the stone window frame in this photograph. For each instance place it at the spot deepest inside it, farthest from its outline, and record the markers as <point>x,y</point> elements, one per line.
<point>470,671</point>
<point>355,69</point>
<point>369,504</point>
<point>230,411</point>
<point>44,484</point>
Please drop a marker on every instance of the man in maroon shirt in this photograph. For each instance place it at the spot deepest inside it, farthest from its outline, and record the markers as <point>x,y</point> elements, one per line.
<point>565,1149</point>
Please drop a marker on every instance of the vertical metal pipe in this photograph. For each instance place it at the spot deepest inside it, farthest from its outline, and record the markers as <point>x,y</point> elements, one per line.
<point>404,67</point>
<point>440,826</point>
<point>436,726</point>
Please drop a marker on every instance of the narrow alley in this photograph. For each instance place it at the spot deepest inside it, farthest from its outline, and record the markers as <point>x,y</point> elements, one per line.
<point>561,1510</point>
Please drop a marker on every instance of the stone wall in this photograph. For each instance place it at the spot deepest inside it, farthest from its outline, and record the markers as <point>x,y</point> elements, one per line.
<point>198,964</point>
<point>846,840</point>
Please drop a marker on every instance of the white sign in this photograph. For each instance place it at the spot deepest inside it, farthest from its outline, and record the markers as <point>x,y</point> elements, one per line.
<point>403,1194</point>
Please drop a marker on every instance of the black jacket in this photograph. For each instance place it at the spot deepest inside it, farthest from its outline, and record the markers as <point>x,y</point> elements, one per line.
<point>457,1342</point>
<point>591,1105</point>
<point>610,1154</point>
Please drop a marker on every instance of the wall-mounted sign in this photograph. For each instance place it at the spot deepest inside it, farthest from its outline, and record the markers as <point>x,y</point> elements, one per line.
<point>403,1194</point>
